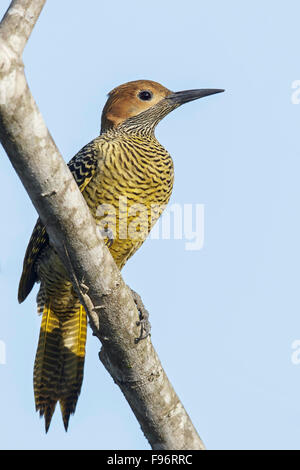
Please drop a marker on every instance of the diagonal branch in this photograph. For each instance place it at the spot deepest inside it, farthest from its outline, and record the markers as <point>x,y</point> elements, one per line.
<point>135,367</point>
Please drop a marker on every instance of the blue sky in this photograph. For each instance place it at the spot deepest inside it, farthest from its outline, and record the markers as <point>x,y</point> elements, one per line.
<point>224,318</point>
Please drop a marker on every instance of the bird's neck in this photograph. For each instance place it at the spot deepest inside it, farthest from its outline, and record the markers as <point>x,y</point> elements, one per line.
<point>134,127</point>
<point>141,124</point>
<point>132,133</point>
<point>145,142</point>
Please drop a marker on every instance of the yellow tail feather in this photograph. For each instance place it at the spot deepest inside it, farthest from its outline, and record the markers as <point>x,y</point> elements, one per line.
<point>59,362</point>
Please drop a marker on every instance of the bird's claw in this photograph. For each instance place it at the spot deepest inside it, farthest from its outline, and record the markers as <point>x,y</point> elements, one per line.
<point>145,329</point>
<point>143,322</point>
<point>108,235</point>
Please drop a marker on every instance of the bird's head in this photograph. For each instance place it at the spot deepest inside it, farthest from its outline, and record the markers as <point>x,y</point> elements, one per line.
<point>141,104</point>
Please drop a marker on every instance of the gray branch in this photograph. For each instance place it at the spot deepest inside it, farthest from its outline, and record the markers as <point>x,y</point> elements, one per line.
<point>135,367</point>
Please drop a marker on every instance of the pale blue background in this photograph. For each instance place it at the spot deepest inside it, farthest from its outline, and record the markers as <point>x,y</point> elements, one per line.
<point>224,318</point>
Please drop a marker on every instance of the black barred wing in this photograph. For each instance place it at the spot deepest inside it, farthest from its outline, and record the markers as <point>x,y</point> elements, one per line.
<point>83,167</point>
<point>39,239</point>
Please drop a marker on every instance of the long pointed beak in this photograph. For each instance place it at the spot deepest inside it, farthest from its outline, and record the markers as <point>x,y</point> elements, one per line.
<point>181,97</point>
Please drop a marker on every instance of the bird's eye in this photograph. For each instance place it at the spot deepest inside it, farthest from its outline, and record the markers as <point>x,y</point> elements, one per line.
<point>145,95</point>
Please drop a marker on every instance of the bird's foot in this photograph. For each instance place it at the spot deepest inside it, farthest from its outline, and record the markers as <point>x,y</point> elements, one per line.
<point>108,235</point>
<point>144,317</point>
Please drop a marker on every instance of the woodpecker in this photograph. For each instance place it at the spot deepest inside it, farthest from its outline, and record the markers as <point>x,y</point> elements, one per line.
<point>124,162</point>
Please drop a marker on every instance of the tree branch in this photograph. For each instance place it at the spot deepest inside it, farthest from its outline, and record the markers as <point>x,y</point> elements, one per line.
<point>113,315</point>
<point>18,22</point>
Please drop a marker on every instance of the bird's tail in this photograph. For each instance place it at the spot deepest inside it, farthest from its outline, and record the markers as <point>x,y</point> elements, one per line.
<point>59,362</point>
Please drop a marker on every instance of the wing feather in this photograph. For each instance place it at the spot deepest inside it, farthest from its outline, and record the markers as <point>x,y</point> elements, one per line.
<point>83,167</point>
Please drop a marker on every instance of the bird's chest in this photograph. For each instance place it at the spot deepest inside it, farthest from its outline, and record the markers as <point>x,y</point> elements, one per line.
<point>127,195</point>
<point>142,176</point>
